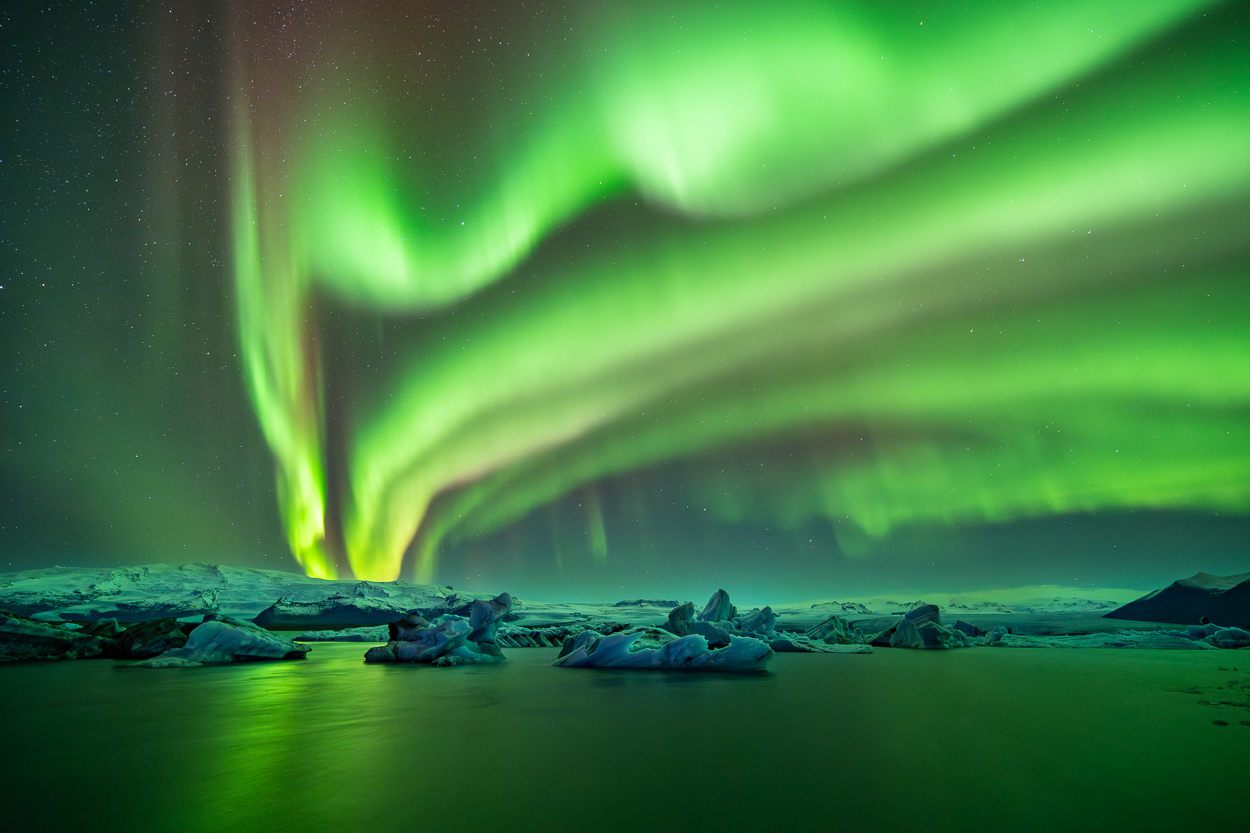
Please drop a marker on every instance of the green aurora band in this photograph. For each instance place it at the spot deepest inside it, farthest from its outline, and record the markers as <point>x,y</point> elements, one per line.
<point>982,262</point>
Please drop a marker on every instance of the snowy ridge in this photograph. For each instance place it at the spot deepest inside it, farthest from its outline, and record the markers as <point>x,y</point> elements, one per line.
<point>131,594</point>
<point>295,601</point>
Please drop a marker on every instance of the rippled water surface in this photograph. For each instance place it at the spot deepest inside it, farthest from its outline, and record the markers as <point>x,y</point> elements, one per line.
<point>992,739</point>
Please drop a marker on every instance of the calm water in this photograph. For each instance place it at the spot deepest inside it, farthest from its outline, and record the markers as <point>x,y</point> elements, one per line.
<point>1003,739</point>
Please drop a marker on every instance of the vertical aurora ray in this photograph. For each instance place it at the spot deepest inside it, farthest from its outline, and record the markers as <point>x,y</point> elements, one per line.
<point>991,258</point>
<point>280,366</point>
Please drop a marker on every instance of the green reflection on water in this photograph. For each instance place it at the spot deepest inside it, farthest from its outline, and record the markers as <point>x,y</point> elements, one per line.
<point>979,739</point>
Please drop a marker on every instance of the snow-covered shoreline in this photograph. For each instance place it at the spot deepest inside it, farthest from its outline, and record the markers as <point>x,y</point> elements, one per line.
<point>290,601</point>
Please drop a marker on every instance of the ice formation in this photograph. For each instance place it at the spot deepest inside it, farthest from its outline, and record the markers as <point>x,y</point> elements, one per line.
<point>449,639</point>
<point>26,639</point>
<point>921,627</point>
<point>720,622</point>
<point>591,649</point>
<point>717,638</point>
<point>146,613</point>
<point>227,639</point>
<point>152,638</point>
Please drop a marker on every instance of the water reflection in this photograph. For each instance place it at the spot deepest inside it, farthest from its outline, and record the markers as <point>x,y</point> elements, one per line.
<point>991,737</point>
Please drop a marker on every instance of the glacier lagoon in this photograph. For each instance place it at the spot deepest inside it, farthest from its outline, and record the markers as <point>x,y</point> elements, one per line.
<point>1004,739</point>
<point>808,299</point>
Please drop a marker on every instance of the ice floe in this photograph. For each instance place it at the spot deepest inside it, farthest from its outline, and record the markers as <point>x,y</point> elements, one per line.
<point>628,649</point>
<point>449,639</point>
<point>222,638</point>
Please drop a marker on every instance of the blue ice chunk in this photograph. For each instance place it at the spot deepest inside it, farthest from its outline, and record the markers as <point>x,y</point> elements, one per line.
<point>1231,638</point>
<point>591,649</point>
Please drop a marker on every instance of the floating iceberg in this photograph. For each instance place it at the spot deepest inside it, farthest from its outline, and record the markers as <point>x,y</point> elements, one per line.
<point>718,608</point>
<point>591,649</point>
<point>1230,638</point>
<point>449,639</point>
<point>226,639</point>
<point>921,627</point>
<point>720,623</point>
<point>23,639</point>
<point>1219,636</point>
<point>152,638</point>
<point>833,631</point>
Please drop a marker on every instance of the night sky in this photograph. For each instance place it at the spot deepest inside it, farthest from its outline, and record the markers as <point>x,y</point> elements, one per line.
<point>802,300</point>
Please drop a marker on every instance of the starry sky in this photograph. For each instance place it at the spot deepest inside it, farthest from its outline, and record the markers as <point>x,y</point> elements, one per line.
<point>804,299</point>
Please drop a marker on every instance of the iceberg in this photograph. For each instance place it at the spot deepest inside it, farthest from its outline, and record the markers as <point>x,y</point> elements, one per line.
<point>720,623</point>
<point>759,621</point>
<point>680,620</point>
<point>23,639</point>
<point>718,608</point>
<point>449,639</point>
<point>591,649</point>
<point>833,631</point>
<point>1230,638</point>
<point>921,627</point>
<point>152,638</point>
<point>226,639</point>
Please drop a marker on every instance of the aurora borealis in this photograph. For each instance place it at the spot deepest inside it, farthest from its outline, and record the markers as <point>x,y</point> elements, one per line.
<point>884,271</point>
